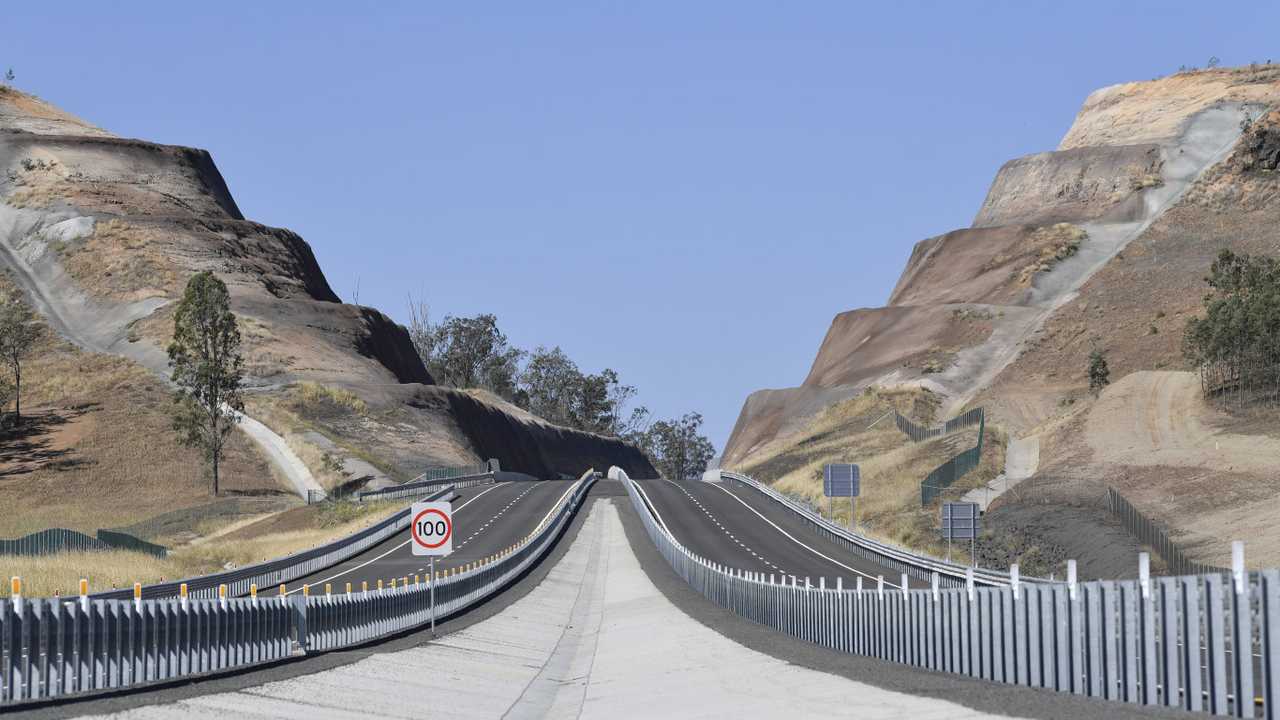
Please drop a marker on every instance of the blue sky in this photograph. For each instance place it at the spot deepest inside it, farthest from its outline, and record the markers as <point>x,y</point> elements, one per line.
<point>685,192</point>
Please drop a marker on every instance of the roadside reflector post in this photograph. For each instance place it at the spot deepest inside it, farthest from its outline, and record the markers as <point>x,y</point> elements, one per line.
<point>84,595</point>
<point>858,586</point>
<point>253,593</point>
<point>1071,578</point>
<point>807,584</point>
<point>393,583</point>
<point>1144,574</point>
<point>1013,579</point>
<point>15,589</point>
<point>379,584</point>
<point>222,595</point>
<point>880,587</point>
<point>906,584</point>
<point>417,580</point>
<point>1237,566</point>
<point>968,582</point>
<point>364,587</point>
<point>822,583</point>
<point>137,596</point>
<point>839,584</point>
<point>404,581</point>
<point>348,588</point>
<point>328,590</point>
<point>936,595</point>
<point>771,579</point>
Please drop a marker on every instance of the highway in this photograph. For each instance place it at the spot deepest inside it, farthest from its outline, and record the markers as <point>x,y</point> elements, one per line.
<point>486,519</point>
<point>740,528</point>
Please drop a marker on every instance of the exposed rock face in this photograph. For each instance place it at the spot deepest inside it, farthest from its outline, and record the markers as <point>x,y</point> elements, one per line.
<point>1074,185</point>
<point>970,302</point>
<point>103,232</point>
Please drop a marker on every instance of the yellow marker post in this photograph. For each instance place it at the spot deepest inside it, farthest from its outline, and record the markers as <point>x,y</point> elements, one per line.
<point>15,587</point>
<point>137,595</point>
<point>348,588</point>
<point>328,590</point>
<point>306,591</point>
<point>417,579</point>
<point>253,593</point>
<point>404,581</point>
<point>379,584</point>
<point>222,595</point>
<point>84,594</point>
<point>364,586</point>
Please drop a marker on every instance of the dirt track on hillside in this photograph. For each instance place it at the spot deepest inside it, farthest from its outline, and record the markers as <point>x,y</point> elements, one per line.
<point>1159,418</point>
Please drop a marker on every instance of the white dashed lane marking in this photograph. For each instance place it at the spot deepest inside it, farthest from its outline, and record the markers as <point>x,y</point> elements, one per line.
<point>707,512</point>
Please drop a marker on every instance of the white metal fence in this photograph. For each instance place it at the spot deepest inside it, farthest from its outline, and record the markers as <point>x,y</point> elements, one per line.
<point>52,648</point>
<point>1201,643</point>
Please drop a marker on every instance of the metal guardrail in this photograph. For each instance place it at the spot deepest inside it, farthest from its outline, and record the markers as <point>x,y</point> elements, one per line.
<point>279,570</point>
<point>58,540</point>
<point>1152,535</point>
<point>1197,643</point>
<point>425,487</point>
<point>921,433</point>
<point>921,567</point>
<point>51,648</point>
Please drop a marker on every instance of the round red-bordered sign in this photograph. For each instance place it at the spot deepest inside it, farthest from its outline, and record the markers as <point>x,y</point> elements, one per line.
<point>448,528</point>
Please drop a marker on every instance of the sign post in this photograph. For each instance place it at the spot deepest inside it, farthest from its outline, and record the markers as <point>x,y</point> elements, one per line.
<point>431,534</point>
<point>960,522</point>
<point>843,480</point>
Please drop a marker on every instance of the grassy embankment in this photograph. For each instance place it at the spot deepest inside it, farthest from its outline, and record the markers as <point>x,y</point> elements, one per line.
<point>858,430</point>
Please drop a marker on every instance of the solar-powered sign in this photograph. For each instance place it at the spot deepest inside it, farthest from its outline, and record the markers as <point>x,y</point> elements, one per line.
<point>960,522</point>
<point>843,480</point>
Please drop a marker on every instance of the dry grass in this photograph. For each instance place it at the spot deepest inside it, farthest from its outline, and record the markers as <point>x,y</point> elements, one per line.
<point>123,261</point>
<point>299,411</point>
<point>892,467</point>
<point>98,449</point>
<point>312,399</point>
<point>45,575</point>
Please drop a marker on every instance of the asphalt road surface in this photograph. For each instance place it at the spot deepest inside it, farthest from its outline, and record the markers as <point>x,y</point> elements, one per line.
<point>486,519</point>
<point>738,527</point>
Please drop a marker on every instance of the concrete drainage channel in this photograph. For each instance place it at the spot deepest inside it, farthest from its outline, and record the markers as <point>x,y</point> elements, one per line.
<point>1199,643</point>
<point>52,649</point>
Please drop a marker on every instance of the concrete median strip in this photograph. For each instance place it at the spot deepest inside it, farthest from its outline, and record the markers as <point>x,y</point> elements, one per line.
<point>623,640</point>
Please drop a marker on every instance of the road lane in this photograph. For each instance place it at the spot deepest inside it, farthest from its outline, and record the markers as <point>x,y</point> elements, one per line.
<point>487,519</point>
<point>740,528</point>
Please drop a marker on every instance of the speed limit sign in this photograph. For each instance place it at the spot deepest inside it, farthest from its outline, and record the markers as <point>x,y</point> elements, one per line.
<point>431,528</point>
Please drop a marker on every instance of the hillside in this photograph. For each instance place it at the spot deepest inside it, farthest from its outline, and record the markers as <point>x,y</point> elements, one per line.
<point>1103,242</point>
<point>99,234</point>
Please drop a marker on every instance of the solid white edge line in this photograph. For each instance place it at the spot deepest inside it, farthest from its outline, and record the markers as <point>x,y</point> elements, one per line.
<point>792,538</point>
<point>406,542</point>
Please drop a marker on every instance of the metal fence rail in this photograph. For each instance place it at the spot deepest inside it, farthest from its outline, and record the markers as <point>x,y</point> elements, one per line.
<point>279,570</point>
<point>445,473</point>
<point>948,472</point>
<point>1201,643</point>
<point>52,648</point>
<point>921,567</point>
<point>921,433</point>
<point>419,488</point>
<point>1152,535</point>
<point>59,540</point>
